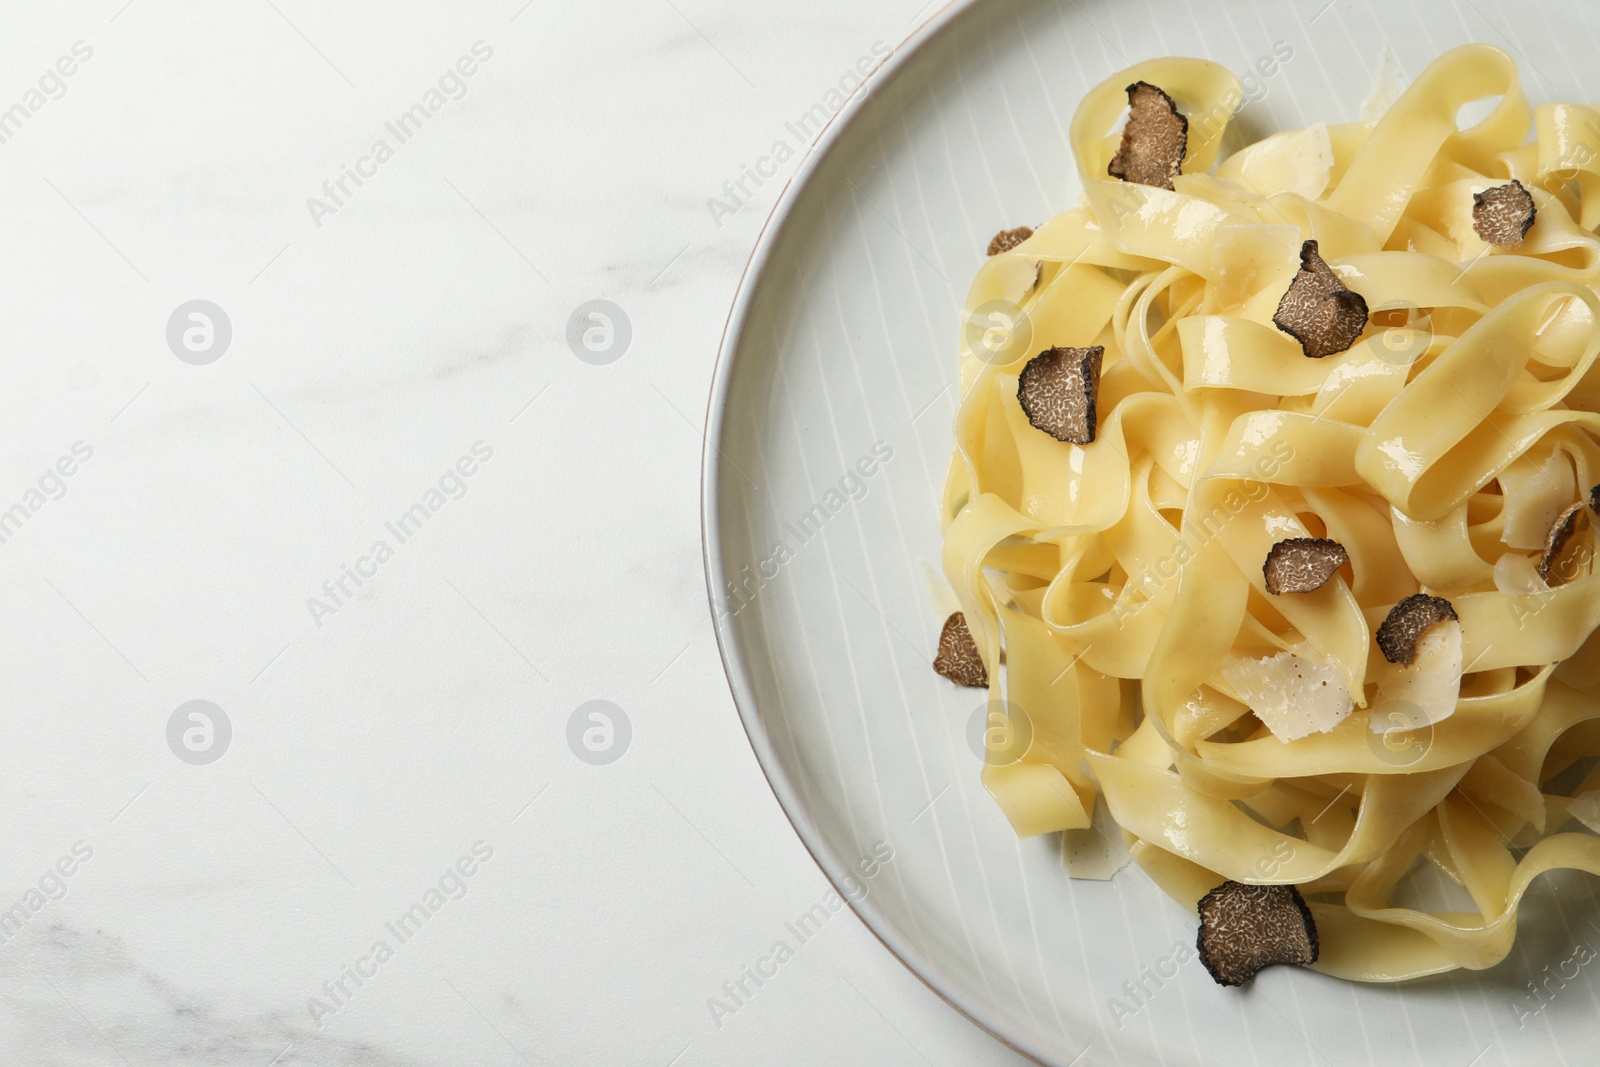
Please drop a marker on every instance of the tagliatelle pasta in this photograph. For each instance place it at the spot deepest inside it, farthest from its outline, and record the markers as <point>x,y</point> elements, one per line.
<point>1315,603</point>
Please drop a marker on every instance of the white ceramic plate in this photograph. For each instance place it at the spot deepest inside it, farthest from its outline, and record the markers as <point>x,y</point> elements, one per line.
<point>844,339</point>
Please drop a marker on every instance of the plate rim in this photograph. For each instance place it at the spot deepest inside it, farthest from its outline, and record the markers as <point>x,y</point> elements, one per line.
<point>734,670</point>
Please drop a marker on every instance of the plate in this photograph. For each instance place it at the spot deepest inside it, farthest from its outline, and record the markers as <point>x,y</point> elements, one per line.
<point>827,443</point>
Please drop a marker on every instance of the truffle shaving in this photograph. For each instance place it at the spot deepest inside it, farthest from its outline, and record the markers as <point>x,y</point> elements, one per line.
<point>1319,310</point>
<point>1560,534</point>
<point>1244,928</point>
<point>1057,392</point>
<point>1006,240</point>
<point>1154,141</point>
<point>1408,622</point>
<point>958,658</point>
<point>1594,499</point>
<point>1503,215</point>
<point>1302,564</point>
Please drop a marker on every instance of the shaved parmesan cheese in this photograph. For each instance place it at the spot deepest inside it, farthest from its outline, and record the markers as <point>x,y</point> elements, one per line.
<point>1015,276</point>
<point>1095,854</point>
<point>1293,696</point>
<point>1299,162</point>
<point>1585,807</point>
<point>1533,506</point>
<point>1426,692</point>
<point>1516,575</point>
<point>1387,85</point>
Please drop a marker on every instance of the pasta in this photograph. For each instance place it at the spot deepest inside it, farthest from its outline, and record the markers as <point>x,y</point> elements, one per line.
<point>1446,450</point>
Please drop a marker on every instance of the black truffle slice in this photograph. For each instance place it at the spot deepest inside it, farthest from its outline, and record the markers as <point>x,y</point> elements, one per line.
<point>1244,928</point>
<point>1057,392</point>
<point>1302,564</point>
<point>1565,526</point>
<point>1006,240</point>
<point>1594,499</point>
<point>1408,622</point>
<point>1319,310</point>
<point>1503,215</point>
<point>958,658</point>
<point>1154,141</point>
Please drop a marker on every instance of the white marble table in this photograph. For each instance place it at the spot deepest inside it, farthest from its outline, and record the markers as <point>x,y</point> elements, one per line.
<point>374,512</point>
